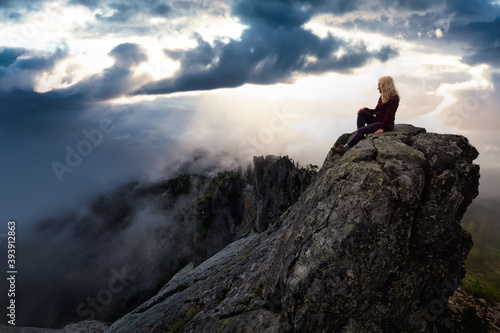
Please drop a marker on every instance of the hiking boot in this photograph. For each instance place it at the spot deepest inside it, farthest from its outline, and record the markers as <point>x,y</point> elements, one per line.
<point>340,150</point>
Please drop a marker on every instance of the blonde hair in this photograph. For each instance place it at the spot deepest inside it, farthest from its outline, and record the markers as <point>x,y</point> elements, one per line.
<point>387,88</point>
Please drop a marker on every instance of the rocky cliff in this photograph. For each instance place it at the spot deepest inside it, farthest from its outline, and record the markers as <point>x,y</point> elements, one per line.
<point>372,245</point>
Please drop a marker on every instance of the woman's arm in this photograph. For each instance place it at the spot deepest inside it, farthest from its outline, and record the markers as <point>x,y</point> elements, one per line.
<point>390,113</point>
<point>372,111</point>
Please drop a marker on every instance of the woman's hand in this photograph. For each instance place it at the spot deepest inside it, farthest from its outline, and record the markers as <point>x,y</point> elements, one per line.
<point>362,109</point>
<point>380,130</point>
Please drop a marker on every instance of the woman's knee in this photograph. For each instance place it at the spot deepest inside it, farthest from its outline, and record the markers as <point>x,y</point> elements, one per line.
<point>366,117</point>
<point>363,114</point>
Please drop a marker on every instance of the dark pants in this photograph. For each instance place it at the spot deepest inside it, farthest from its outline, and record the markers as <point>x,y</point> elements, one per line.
<point>367,123</point>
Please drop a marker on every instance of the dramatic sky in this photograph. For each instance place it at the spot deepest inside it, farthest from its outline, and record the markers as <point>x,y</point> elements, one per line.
<point>95,93</point>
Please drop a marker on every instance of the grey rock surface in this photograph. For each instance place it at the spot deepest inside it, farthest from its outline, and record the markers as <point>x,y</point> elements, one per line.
<point>372,245</point>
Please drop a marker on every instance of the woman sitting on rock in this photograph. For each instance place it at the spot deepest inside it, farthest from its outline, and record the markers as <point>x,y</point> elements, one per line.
<point>376,120</point>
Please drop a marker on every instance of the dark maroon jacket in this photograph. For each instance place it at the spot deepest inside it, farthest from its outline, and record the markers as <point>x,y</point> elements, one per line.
<point>386,113</point>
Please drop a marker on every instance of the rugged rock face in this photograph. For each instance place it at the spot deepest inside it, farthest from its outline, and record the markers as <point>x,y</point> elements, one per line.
<point>278,184</point>
<point>373,245</point>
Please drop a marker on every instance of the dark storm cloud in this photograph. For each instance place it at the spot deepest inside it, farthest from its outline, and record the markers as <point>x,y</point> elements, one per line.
<point>9,55</point>
<point>9,4</point>
<point>19,3</point>
<point>277,13</point>
<point>482,40</point>
<point>41,113</point>
<point>124,10</point>
<point>475,24</point>
<point>128,55</point>
<point>87,3</point>
<point>127,18</point>
<point>123,18</point>
<point>275,47</point>
<point>5,3</point>
<point>20,58</point>
<point>463,10</point>
<point>421,5</point>
<point>14,10</point>
<point>385,53</point>
<point>42,63</point>
<point>48,115</point>
<point>112,82</point>
<point>340,7</point>
<point>472,11</point>
<point>20,67</point>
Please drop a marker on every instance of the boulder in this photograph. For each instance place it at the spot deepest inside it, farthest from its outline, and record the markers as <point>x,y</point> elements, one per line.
<point>374,244</point>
